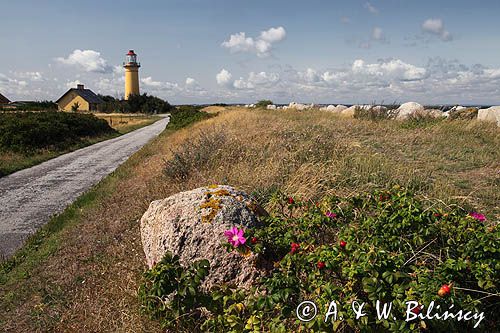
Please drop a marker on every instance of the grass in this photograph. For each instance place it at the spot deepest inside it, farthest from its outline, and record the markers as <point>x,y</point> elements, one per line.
<point>125,123</point>
<point>83,272</point>
<point>12,161</point>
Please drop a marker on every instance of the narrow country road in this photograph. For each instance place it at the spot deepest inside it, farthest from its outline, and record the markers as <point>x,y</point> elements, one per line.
<point>28,198</point>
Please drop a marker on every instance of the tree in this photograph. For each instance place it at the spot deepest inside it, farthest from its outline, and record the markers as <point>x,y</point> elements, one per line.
<point>263,103</point>
<point>75,107</point>
<point>147,104</point>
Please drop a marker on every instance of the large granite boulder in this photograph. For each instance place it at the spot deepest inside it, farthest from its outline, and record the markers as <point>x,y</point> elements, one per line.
<point>491,114</point>
<point>192,224</point>
<point>409,109</point>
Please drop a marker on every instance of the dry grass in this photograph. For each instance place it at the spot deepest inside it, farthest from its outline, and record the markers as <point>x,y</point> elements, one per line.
<point>88,282</point>
<point>125,123</point>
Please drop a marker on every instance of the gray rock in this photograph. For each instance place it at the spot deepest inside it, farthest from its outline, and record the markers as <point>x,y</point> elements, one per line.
<point>191,225</point>
<point>491,114</point>
<point>408,109</point>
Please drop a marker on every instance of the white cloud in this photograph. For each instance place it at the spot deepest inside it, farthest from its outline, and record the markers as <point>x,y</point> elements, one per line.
<point>191,82</point>
<point>393,69</point>
<point>148,81</point>
<point>73,84</point>
<point>32,76</point>
<point>257,80</point>
<point>273,35</point>
<point>87,60</point>
<point>224,78</point>
<point>436,27</point>
<point>261,45</point>
<point>372,9</point>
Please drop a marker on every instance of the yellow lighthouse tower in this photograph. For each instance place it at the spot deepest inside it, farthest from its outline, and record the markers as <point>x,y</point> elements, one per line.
<point>131,74</point>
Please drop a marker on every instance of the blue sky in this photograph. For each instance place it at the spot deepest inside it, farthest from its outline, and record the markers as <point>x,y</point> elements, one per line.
<point>241,51</point>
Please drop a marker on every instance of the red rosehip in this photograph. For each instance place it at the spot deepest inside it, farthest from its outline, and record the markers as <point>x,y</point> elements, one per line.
<point>444,290</point>
<point>291,201</point>
<point>254,240</point>
<point>320,265</point>
<point>343,244</point>
<point>417,309</point>
<point>437,214</point>
<point>294,247</point>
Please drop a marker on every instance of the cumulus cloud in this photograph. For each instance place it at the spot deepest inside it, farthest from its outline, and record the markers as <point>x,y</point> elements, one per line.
<point>435,26</point>
<point>32,76</point>
<point>87,60</point>
<point>257,80</point>
<point>394,69</point>
<point>261,45</point>
<point>148,81</point>
<point>191,82</point>
<point>73,84</point>
<point>224,78</point>
<point>372,9</point>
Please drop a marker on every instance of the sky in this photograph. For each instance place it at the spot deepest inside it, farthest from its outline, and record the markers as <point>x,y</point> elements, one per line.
<point>240,51</point>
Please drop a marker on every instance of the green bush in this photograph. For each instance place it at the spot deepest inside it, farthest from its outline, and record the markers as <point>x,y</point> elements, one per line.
<point>385,246</point>
<point>32,106</point>
<point>30,131</point>
<point>146,104</point>
<point>263,103</point>
<point>185,115</point>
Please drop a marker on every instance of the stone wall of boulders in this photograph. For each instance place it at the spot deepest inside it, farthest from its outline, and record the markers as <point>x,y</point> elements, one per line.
<point>403,112</point>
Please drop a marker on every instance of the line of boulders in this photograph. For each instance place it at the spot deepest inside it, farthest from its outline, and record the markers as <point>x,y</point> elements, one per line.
<point>404,111</point>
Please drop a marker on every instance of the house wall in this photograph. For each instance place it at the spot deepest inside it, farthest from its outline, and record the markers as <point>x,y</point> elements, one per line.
<point>69,100</point>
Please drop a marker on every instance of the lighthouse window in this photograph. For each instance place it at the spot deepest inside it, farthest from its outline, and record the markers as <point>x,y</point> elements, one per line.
<point>131,58</point>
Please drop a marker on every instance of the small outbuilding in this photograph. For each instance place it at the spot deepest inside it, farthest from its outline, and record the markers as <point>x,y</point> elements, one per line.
<point>4,100</point>
<point>79,99</point>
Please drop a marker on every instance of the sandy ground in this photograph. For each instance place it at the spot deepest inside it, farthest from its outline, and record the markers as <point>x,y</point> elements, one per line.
<point>30,197</point>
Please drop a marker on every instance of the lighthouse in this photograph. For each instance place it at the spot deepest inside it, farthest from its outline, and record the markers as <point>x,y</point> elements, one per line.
<point>131,74</point>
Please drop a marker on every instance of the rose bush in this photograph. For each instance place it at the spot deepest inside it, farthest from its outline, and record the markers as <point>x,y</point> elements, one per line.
<point>386,245</point>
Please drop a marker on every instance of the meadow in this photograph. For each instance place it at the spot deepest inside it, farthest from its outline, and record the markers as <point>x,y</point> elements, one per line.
<point>83,270</point>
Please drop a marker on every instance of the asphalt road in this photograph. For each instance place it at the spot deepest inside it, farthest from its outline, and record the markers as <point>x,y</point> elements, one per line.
<point>30,197</point>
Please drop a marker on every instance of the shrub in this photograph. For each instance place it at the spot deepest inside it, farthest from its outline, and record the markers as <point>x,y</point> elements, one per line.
<point>376,113</point>
<point>185,115</point>
<point>30,131</point>
<point>146,104</point>
<point>31,106</point>
<point>420,120</point>
<point>263,103</point>
<point>465,114</point>
<point>386,245</point>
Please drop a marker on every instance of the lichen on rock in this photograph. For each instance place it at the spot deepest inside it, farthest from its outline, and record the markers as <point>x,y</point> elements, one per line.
<point>191,225</point>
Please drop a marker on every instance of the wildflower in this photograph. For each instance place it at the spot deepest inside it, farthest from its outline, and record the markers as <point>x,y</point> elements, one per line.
<point>478,216</point>
<point>331,215</point>
<point>320,264</point>
<point>235,236</point>
<point>291,201</point>
<point>295,247</point>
